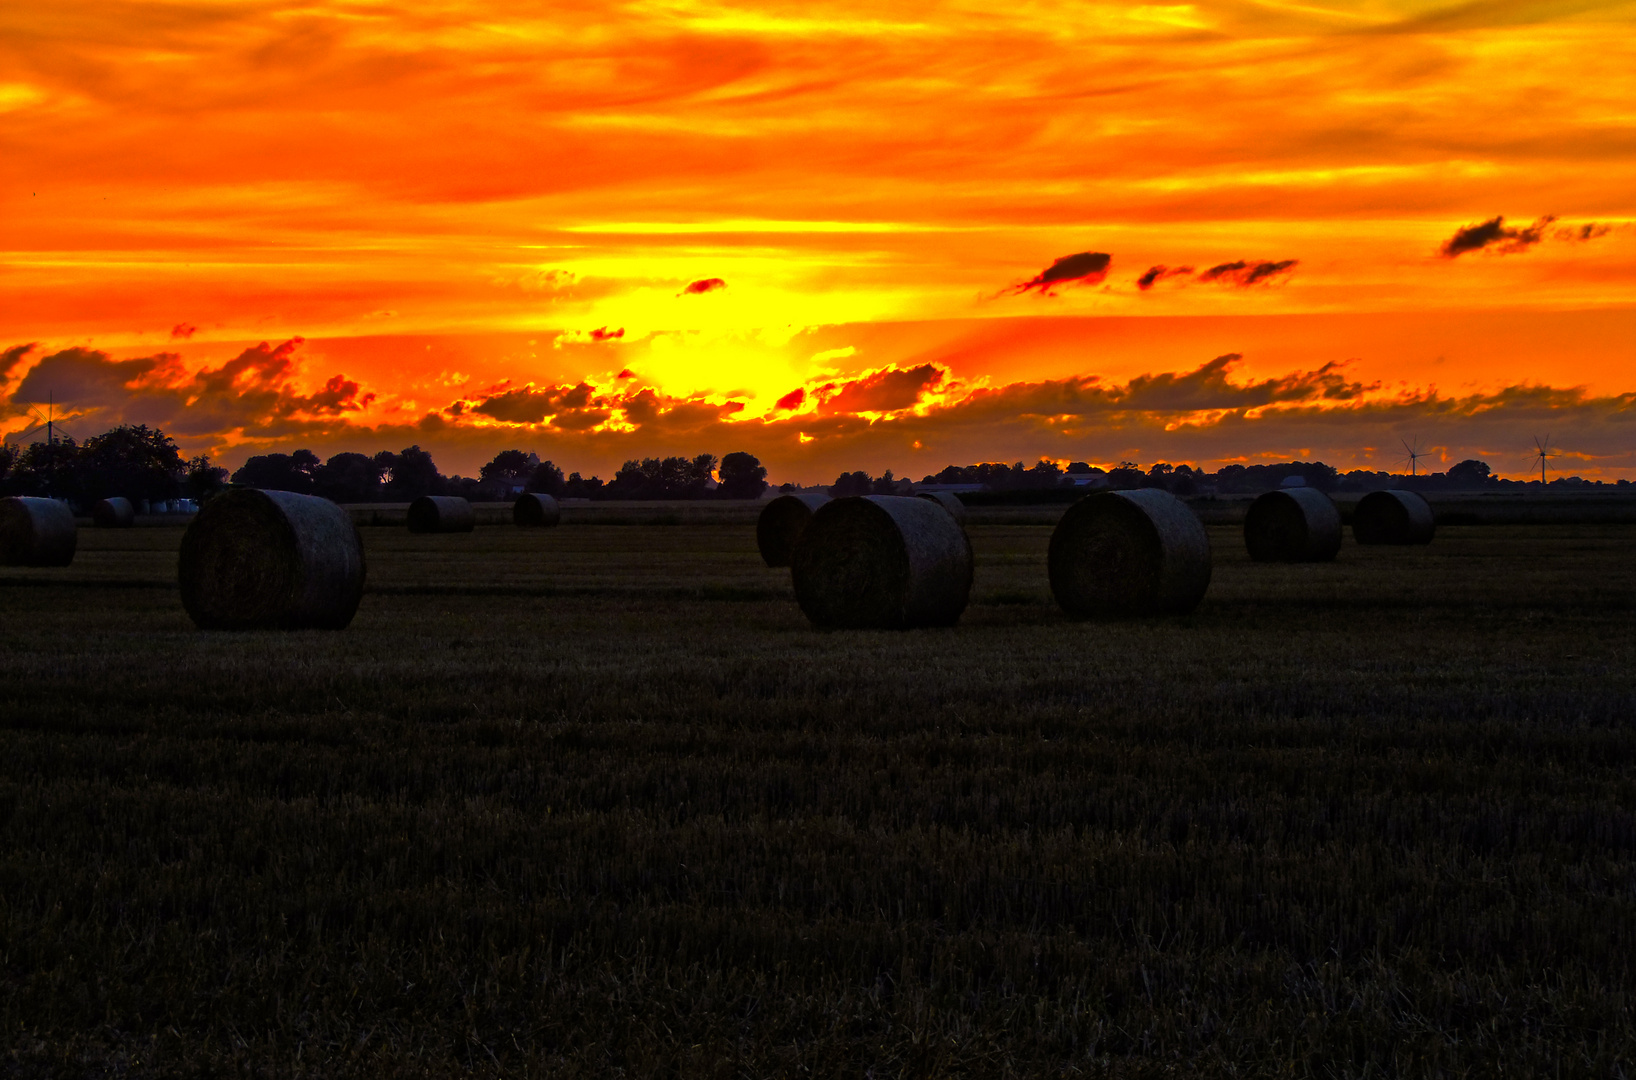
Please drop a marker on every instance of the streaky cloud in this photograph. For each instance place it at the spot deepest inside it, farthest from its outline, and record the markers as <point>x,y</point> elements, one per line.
<point>1494,234</point>
<point>1085,268</point>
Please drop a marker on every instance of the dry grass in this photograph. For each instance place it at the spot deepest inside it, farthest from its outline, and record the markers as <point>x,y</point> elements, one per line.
<point>597,801</point>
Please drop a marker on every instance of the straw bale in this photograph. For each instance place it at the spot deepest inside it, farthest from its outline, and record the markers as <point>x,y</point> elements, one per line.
<point>1393,517</point>
<point>781,523</point>
<point>1122,553</point>
<point>271,560</point>
<point>1293,525</point>
<point>113,513</point>
<point>948,501</point>
<point>36,532</point>
<point>882,562</point>
<point>441,514</point>
<point>536,510</point>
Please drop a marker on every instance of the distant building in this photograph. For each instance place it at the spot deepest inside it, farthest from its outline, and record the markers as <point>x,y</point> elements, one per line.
<point>1087,480</point>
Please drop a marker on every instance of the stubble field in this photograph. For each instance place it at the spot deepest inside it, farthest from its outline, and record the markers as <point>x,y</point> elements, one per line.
<point>597,801</point>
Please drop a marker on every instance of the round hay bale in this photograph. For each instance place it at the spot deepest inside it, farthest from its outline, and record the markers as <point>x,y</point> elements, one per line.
<point>882,562</point>
<point>1297,524</point>
<point>441,514</point>
<point>536,510</point>
<point>781,523</point>
<point>36,532</point>
<point>113,513</point>
<point>1122,553</point>
<point>948,501</point>
<point>271,560</point>
<point>1393,517</point>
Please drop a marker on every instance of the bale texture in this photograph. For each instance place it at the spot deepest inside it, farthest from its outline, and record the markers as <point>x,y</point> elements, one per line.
<point>271,560</point>
<point>1298,524</point>
<point>1393,517</point>
<point>36,532</point>
<point>948,501</point>
<point>535,510</point>
<point>781,523</point>
<point>1123,553</point>
<point>113,513</point>
<point>882,562</point>
<point>441,514</point>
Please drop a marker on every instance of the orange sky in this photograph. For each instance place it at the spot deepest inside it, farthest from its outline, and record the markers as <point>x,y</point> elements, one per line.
<point>481,221</point>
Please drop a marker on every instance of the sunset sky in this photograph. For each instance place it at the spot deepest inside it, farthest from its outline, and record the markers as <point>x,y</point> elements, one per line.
<point>836,235</point>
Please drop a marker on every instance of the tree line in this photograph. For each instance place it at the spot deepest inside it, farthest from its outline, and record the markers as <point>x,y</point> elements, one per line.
<point>143,463</point>
<point>411,473</point>
<point>1235,479</point>
<point>135,461</point>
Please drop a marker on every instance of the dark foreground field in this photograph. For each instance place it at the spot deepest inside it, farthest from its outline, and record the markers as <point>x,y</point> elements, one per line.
<point>596,801</point>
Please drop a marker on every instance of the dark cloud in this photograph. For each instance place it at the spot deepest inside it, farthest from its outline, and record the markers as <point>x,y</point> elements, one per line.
<point>525,406</point>
<point>882,391</point>
<point>1086,268</point>
<point>792,400</point>
<point>1224,269</point>
<point>602,333</point>
<point>578,396</point>
<point>1156,274</point>
<point>584,406</point>
<point>1209,388</point>
<point>1581,233</point>
<point>1494,234</point>
<point>338,395</point>
<point>13,356</point>
<point>657,413</point>
<point>88,378</point>
<point>1244,273</point>
<point>248,394</point>
<point>183,330</point>
<point>703,285</point>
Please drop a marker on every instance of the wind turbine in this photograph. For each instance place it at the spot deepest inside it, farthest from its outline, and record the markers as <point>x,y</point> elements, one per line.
<point>1542,451</point>
<point>1413,455</point>
<point>48,424</point>
<point>48,421</point>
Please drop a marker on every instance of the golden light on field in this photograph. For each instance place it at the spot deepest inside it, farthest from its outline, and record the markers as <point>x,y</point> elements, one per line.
<point>714,202</point>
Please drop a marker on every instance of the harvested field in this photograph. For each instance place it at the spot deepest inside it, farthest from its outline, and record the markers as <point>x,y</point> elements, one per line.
<point>598,799</point>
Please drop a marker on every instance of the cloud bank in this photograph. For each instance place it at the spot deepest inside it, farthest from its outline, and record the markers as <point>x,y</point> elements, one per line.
<point>912,418</point>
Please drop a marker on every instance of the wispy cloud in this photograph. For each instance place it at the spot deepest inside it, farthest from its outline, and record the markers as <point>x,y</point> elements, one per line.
<point>1085,268</point>
<point>1494,235</point>
<point>1155,274</point>
<point>1244,273</point>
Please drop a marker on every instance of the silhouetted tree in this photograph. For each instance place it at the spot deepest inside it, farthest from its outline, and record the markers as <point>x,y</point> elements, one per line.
<point>742,476</point>
<point>1470,473</point>
<point>413,474</point>
<point>202,480</point>
<point>280,472</point>
<point>663,478</point>
<point>579,487</point>
<point>509,467</point>
<point>46,469</point>
<point>348,478</point>
<point>852,483</point>
<point>135,461</point>
<point>546,479</point>
<point>1127,475</point>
